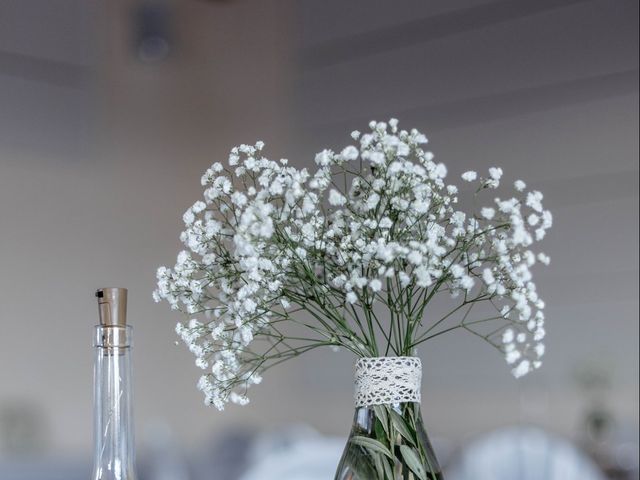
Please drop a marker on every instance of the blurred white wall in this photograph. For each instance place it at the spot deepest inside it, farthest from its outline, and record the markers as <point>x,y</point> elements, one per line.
<point>99,201</point>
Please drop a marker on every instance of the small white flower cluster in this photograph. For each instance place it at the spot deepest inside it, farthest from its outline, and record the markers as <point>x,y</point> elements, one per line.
<point>376,223</point>
<point>236,280</point>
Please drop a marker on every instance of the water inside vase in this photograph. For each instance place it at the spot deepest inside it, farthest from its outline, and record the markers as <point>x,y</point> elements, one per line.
<point>388,442</point>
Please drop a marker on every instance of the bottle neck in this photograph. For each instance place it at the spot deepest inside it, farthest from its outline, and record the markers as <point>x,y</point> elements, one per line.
<point>364,418</point>
<point>114,455</point>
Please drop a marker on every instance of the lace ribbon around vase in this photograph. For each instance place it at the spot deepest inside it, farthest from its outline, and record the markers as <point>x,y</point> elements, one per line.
<point>387,380</point>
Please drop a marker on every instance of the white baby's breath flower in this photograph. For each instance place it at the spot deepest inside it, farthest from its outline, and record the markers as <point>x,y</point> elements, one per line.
<point>487,276</point>
<point>336,198</point>
<point>377,158</point>
<point>238,399</point>
<point>385,222</point>
<point>189,217</point>
<point>351,297</point>
<point>513,356</point>
<point>415,257</point>
<point>469,176</point>
<point>495,173</point>
<point>423,277</point>
<point>488,213</point>
<point>324,158</point>
<point>441,170</point>
<point>519,185</point>
<point>374,227</point>
<point>350,153</point>
<point>534,200</point>
<point>522,369</point>
<point>375,285</point>
<point>508,336</point>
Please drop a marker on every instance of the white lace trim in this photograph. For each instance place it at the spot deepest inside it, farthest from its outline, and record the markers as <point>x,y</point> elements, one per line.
<point>387,380</point>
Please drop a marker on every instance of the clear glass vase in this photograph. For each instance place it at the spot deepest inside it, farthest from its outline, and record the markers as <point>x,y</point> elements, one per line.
<point>388,442</point>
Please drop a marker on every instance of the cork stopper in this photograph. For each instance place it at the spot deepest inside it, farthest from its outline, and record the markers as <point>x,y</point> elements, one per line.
<point>112,306</point>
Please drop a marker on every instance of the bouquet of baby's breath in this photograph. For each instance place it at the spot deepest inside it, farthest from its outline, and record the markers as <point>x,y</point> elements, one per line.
<point>280,260</point>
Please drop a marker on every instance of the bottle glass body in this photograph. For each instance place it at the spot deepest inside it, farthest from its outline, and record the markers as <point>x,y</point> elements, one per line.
<point>114,450</point>
<point>388,442</point>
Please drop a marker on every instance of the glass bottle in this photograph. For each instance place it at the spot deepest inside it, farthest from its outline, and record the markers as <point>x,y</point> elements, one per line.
<point>114,452</point>
<point>388,440</point>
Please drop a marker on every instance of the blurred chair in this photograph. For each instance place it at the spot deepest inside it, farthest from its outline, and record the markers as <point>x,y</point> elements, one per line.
<point>522,453</point>
<point>224,457</point>
<point>22,428</point>
<point>298,453</point>
<point>45,468</point>
<point>161,458</point>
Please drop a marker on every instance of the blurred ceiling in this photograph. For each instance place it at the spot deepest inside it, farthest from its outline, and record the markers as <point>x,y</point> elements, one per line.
<point>447,64</point>
<point>47,72</point>
<point>465,65</point>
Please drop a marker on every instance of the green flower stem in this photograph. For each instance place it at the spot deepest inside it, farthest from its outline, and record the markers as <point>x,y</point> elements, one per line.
<point>388,442</point>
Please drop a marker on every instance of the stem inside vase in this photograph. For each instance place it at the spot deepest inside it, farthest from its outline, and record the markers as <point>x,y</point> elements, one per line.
<point>388,442</point>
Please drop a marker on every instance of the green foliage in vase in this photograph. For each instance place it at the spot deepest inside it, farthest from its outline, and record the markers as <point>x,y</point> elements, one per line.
<point>388,442</point>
